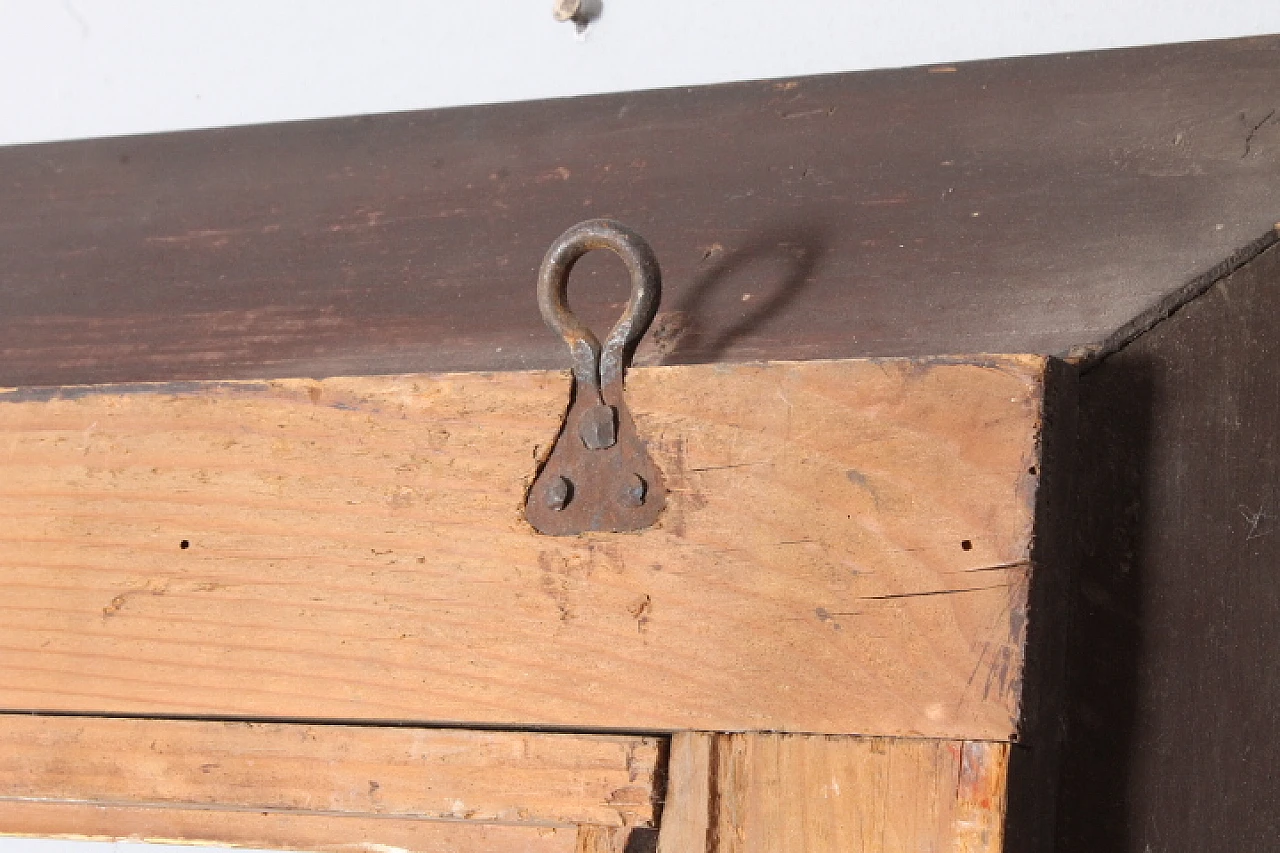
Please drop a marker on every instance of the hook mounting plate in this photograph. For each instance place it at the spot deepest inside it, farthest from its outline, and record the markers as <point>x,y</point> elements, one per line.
<point>599,476</point>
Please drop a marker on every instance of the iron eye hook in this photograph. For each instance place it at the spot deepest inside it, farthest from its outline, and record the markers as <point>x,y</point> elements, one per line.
<point>593,367</point>
<point>599,475</point>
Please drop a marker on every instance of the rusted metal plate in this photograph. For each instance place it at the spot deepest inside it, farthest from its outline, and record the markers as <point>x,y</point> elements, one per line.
<point>598,475</point>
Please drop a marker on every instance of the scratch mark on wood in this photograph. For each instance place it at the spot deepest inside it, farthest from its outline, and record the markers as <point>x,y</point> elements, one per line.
<point>1254,520</point>
<point>1253,131</point>
<point>932,592</point>
<point>998,567</point>
<point>726,467</point>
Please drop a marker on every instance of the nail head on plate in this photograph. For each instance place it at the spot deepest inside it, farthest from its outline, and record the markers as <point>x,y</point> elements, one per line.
<point>635,491</point>
<point>559,493</point>
<point>599,427</point>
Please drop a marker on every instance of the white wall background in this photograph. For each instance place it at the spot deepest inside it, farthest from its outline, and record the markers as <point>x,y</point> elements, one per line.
<point>85,68</point>
<point>73,69</point>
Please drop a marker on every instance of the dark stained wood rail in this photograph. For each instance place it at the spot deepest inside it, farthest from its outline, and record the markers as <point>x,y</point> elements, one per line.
<point>1022,205</point>
<point>1171,696</point>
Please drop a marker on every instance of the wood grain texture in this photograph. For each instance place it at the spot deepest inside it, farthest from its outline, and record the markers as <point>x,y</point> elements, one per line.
<point>775,793</point>
<point>844,550</point>
<point>686,810</point>
<point>594,838</point>
<point>1173,694</point>
<point>277,831</point>
<point>507,777</point>
<point>1035,766</point>
<point>1014,205</point>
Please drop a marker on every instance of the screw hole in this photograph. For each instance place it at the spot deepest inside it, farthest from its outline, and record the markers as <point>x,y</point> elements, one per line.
<point>966,545</point>
<point>184,544</point>
<point>1032,471</point>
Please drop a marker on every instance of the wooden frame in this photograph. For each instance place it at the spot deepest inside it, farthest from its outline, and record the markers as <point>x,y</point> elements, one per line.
<point>214,256</point>
<point>1023,205</point>
<point>355,548</point>
<point>325,549</point>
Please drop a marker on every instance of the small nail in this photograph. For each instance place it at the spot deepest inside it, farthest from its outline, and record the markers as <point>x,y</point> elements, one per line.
<point>599,427</point>
<point>558,494</point>
<point>635,491</point>
<point>566,10</point>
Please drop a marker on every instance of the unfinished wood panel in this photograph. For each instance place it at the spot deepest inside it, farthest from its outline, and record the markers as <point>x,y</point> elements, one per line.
<point>593,838</point>
<point>513,777</point>
<point>355,548</point>
<point>686,809</point>
<point>277,831</point>
<point>775,792</point>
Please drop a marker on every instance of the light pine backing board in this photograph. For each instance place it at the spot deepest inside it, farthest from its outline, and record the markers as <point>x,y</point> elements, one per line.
<point>844,549</point>
<point>277,830</point>
<point>528,778</point>
<point>762,793</point>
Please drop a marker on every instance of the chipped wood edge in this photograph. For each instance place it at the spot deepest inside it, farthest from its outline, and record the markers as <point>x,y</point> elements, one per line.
<point>685,820</point>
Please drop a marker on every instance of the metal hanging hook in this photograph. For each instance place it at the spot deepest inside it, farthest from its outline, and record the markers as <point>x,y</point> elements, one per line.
<point>592,366</point>
<point>598,475</point>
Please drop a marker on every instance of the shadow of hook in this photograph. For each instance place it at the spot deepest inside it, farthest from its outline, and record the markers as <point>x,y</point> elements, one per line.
<point>699,330</point>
